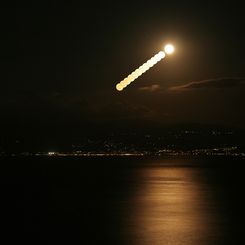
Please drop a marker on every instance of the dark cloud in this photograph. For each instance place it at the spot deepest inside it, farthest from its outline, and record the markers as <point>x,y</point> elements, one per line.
<point>150,88</point>
<point>216,83</point>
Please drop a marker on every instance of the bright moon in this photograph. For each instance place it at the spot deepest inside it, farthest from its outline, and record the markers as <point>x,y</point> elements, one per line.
<point>169,48</point>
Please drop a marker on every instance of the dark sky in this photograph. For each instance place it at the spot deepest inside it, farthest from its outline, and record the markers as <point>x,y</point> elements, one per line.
<point>62,61</point>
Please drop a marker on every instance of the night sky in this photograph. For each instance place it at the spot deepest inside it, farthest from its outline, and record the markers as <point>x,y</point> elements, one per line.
<point>62,61</point>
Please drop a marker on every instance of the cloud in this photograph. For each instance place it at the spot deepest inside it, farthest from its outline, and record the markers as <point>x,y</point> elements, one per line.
<point>216,83</point>
<point>151,88</point>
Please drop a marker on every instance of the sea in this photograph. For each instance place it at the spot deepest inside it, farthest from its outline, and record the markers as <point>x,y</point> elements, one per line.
<point>122,200</point>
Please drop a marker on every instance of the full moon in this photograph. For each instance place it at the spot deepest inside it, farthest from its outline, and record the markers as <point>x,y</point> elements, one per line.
<point>169,48</point>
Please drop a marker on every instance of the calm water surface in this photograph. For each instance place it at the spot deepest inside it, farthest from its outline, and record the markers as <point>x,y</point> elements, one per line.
<point>124,201</point>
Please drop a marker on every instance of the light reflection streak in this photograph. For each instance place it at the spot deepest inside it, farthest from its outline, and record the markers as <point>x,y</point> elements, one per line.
<point>172,207</point>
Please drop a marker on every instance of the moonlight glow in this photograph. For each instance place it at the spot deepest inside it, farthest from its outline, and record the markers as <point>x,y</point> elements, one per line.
<point>169,49</point>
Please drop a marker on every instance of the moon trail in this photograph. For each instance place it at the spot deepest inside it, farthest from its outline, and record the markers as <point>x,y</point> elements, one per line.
<point>138,72</point>
<point>169,49</point>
